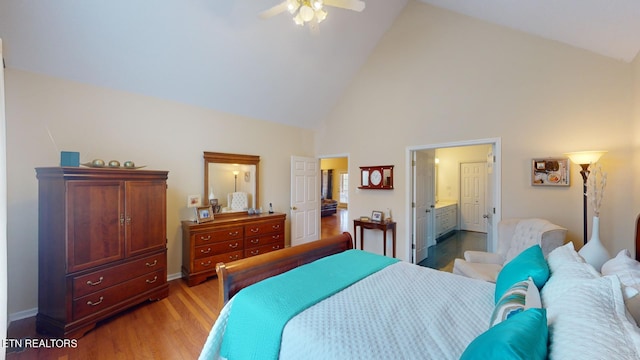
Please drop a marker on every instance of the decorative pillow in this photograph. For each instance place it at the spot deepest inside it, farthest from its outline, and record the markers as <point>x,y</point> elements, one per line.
<point>589,322</point>
<point>562,255</point>
<point>519,297</point>
<point>628,271</point>
<point>522,336</point>
<point>529,263</point>
<point>564,274</point>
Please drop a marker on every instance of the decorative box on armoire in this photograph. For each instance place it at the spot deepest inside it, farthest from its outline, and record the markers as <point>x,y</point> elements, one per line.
<point>102,245</point>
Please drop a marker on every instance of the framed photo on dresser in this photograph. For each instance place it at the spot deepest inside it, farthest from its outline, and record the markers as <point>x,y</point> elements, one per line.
<point>204,214</point>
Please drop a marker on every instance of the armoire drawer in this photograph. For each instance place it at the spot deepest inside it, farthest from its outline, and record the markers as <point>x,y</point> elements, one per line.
<point>102,279</point>
<point>113,295</point>
<point>210,237</point>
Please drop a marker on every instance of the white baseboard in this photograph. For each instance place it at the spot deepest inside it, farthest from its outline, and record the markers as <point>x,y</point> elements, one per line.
<point>33,312</point>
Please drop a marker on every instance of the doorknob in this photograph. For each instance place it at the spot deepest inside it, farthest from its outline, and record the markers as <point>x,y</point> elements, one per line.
<point>294,208</point>
<point>428,211</point>
<point>486,216</point>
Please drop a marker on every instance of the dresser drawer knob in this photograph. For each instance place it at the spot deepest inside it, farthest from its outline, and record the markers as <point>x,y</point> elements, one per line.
<point>275,237</point>
<point>155,262</point>
<point>254,230</point>
<point>208,263</point>
<point>155,278</point>
<point>234,245</point>
<point>205,251</point>
<point>205,238</point>
<point>234,257</point>
<point>255,252</point>
<point>254,241</point>
<point>276,227</point>
<point>276,247</point>
<point>95,303</point>
<point>91,283</point>
<point>235,233</point>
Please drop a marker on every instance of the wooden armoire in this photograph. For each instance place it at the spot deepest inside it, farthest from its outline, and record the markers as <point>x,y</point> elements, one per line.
<point>102,245</point>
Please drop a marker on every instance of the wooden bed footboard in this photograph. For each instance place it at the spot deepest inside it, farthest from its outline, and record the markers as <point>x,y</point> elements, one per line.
<point>236,275</point>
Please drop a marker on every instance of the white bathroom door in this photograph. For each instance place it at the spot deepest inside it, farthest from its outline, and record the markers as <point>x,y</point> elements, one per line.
<point>305,203</point>
<point>424,200</point>
<point>472,196</point>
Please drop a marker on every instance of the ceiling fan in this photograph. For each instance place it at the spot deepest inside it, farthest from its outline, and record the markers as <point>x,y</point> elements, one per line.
<point>311,11</point>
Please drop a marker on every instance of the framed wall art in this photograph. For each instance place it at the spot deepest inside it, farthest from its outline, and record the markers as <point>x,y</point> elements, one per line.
<point>550,172</point>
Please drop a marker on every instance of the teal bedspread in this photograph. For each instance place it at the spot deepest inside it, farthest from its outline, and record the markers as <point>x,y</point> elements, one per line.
<point>260,312</point>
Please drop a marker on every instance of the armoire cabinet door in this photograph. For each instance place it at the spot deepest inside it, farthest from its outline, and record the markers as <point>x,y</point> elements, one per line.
<point>95,211</point>
<point>145,216</point>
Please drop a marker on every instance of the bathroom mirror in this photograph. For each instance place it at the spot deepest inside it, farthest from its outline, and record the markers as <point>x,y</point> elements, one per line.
<point>225,174</point>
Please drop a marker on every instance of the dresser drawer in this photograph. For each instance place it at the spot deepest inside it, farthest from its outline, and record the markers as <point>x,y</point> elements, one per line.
<point>263,249</point>
<point>102,279</point>
<point>218,248</point>
<point>263,228</point>
<point>209,237</point>
<point>255,241</point>
<point>113,295</point>
<point>209,263</point>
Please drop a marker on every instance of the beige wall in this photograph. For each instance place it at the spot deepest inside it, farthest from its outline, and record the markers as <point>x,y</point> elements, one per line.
<point>107,124</point>
<point>635,164</point>
<point>438,77</point>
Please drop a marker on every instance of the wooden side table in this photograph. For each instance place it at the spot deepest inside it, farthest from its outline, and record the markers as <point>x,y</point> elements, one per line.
<point>383,226</point>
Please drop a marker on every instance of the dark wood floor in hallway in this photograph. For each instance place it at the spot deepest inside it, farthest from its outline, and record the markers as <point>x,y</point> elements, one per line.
<point>440,256</point>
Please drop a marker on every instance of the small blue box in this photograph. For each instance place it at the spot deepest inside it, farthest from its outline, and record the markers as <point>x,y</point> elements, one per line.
<point>69,158</point>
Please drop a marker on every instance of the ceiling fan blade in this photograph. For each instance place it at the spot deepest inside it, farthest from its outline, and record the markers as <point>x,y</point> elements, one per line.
<point>355,5</point>
<point>282,7</point>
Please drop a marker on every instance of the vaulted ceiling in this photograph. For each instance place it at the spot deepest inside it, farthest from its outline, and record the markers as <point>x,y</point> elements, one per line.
<point>221,55</point>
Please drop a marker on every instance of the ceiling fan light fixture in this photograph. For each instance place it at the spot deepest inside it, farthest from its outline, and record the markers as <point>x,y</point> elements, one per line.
<point>298,20</point>
<point>317,5</point>
<point>292,6</point>
<point>306,12</point>
<point>321,15</point>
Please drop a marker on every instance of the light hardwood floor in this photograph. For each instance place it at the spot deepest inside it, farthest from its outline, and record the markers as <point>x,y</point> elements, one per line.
<point>173,328</point>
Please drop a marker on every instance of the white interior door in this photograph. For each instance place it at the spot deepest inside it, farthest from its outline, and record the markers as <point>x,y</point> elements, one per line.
<point>472,196</point>
<point>305,203</point>
<point>424,200</point>
<point>489,205</point>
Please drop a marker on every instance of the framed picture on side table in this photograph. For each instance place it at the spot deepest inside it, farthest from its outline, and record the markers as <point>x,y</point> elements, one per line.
<point>204,214</point>
<point>377,216</point>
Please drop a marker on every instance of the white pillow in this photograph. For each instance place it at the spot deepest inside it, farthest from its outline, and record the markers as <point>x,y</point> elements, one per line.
<point>589,322</point>
<point>563,254</point>
<point>628,271</point>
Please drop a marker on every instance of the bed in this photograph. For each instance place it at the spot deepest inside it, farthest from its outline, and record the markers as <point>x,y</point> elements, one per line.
<point>557,307</point>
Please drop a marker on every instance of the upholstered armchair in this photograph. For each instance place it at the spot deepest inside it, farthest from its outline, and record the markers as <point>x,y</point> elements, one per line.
<point>238,201</point>
<point>514,236</point>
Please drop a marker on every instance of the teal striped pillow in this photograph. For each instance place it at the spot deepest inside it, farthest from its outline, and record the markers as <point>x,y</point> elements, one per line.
<point>512,302</point>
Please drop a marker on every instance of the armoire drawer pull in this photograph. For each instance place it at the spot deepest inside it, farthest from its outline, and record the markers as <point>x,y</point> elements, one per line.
<point>254,241</point>
<point>275,247</point>
<point>205,238</point>
<point>91,283</point>
<point>254,230</point>
<point>255,252</point>
<point>154,263</point>
<point>234,245</point>
<point>275,237</point>
<point>95,303</point>
<point>155,278</point>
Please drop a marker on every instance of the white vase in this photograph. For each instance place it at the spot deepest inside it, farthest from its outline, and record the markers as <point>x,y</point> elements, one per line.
<point>594,252</point>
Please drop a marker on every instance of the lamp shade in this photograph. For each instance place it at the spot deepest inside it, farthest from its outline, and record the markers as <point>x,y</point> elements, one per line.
<point>585,157</point>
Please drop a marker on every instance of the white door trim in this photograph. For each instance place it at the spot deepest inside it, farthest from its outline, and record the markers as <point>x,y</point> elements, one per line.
<point>496,144</point>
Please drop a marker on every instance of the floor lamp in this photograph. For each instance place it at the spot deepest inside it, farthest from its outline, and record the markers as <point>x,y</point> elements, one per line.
<point>584,159</point>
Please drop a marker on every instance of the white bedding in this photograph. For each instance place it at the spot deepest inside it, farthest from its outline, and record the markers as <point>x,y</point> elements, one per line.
<point>418,313</point>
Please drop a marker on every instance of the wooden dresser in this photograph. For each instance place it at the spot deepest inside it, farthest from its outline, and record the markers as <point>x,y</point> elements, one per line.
<point>225,239</point>
<point>102,245</point>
